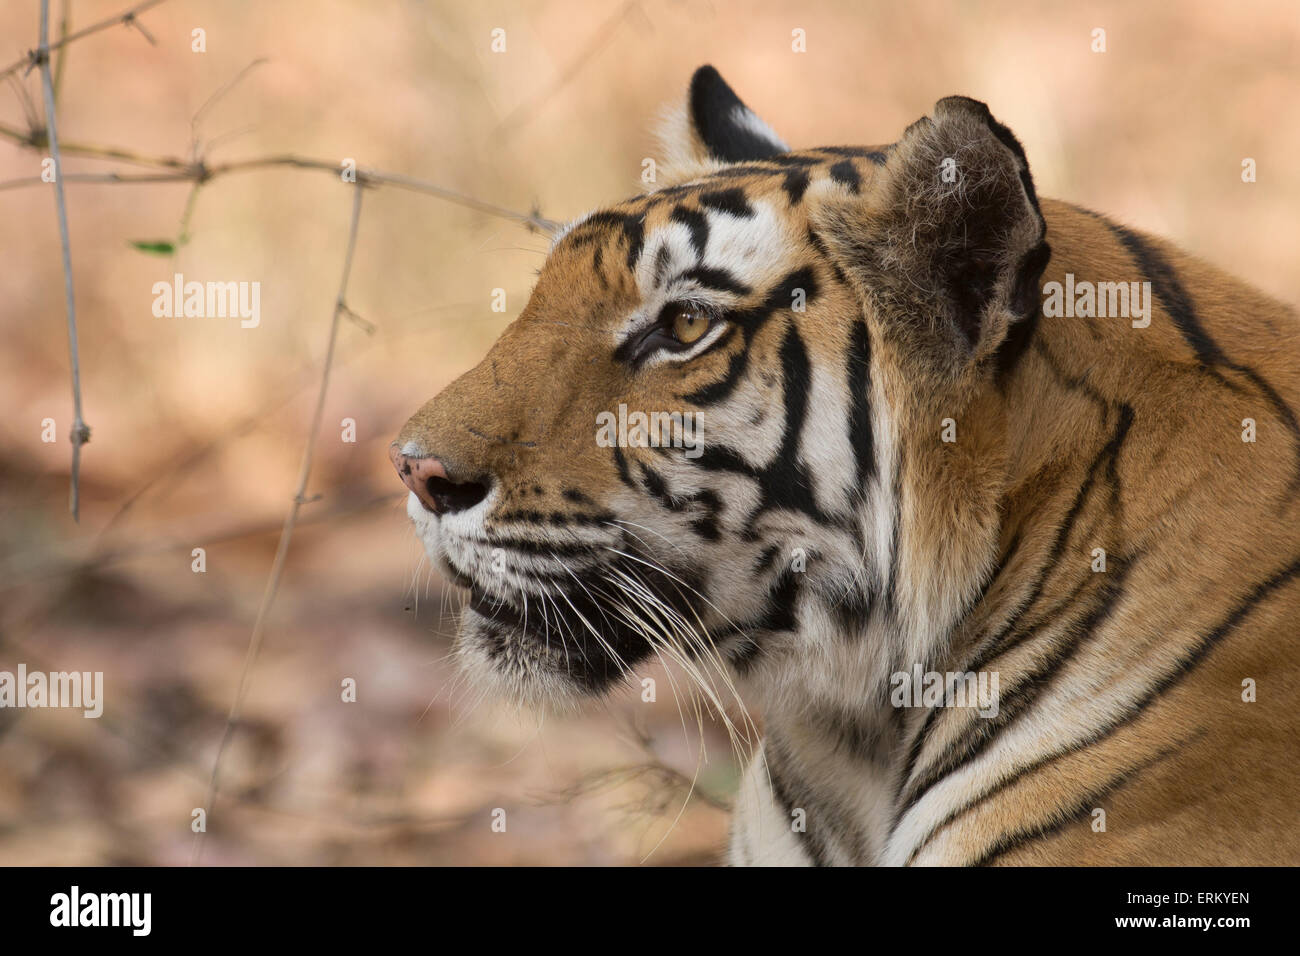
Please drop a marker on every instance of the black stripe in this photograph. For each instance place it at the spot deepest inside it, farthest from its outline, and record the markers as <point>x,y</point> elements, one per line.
<point>980,732</point>
<point>820,245</point>
<point>782,612</point>
<point>913,755</point>
<point>1077,811</point>
<point>704,506</point>
<point>697,223</point>
<point>1284,411</point>
<point>785,482</point>
<point>875,155</point>
<point>859,384</point>
<point>1072,383</point>
<point>591,229</point>
<point>994,645</point>
<point>1218,633</point>
<point>1177,303</point>
<point>591,520</point>
<point>750,321</point>
<point>1025,302</point>
<point>810,839</point>
<point>1172,295</point>
<point>1009,781</point>
<point>634,230</point>
<point>543,548</point>
<point>744,654</point>
<point>715,392</point>
<point>706,524</point>
<point>730,201</point>
<point>1184,666</point>
<point>718,279</point>
<point>829,822</point>
<point>1019,336</point>
<point>795,185</point>
<point>1008,139</point>
<point>795,159</point>
<point>782,295</point>
<point>766,558</point>
<point>653,481</point>
<point>625,476</point>
<point>660,196</point>
<point>1020,634</point>
<point>996,571</point>
<point>845,172</point>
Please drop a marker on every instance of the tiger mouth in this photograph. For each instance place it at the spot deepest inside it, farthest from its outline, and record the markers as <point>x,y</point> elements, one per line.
<point>581,629</point>
<point>494,608</point>
<point>456,576</point>
<point>556,644</point>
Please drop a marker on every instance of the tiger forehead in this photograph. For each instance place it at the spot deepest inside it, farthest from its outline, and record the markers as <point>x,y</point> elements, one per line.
<point>732,189</point>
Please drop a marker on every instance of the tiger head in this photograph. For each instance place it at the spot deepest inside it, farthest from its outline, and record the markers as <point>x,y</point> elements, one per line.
<point>695,443</point>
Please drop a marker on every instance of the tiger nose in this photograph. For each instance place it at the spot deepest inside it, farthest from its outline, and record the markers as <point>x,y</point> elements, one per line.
<point>427,478</point>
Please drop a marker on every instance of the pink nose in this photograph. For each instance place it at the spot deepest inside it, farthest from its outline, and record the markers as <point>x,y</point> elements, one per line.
<point>427,477</point>
<point>415,474</point>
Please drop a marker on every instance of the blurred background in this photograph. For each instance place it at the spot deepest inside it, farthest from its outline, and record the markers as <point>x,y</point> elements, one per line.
<point>199,426</point>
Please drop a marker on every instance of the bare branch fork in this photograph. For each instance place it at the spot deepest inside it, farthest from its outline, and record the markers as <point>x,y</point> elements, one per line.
<point>42,53</point>
<point>341,310</point>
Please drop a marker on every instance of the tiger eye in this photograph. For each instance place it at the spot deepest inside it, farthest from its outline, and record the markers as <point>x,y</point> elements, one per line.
<point>689,325</point>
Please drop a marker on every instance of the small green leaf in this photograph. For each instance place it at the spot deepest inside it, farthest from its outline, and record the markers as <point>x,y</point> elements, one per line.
<point>155,247</point>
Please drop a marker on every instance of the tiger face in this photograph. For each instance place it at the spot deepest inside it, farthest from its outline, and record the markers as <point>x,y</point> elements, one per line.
<point>687,447</point>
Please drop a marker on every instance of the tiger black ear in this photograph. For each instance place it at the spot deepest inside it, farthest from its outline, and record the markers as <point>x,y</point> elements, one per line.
<point>950,245</point>
<point>725,127</point>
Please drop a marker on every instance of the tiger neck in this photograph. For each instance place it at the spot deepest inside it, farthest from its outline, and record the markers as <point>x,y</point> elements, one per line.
<point>950,599</point>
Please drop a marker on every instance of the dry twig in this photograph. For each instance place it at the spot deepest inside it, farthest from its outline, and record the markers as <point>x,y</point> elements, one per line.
<point>42,53</point>
<point>291,519</point>
<point>80,433</point>
<point>172,170</point>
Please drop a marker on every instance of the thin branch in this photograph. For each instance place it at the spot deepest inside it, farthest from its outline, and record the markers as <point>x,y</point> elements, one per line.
<point>30,110</point>
<point>291,519</point>
<point>37,140</point>
<point>80,433</point>
<point>201,172</point>
<point>215,98</point>
<point>42,53</point>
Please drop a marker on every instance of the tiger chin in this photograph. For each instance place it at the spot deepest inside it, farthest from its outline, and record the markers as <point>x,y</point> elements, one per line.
<point>910,463</point>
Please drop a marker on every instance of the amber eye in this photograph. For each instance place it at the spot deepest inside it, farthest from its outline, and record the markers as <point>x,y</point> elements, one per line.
<point>689,324</point>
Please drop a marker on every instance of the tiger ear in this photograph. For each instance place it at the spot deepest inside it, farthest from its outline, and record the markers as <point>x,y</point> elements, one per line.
<point>716,125</point>
<point>949,246</point>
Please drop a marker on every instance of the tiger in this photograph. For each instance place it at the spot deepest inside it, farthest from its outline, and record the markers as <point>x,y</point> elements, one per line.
<point>844,431</point>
